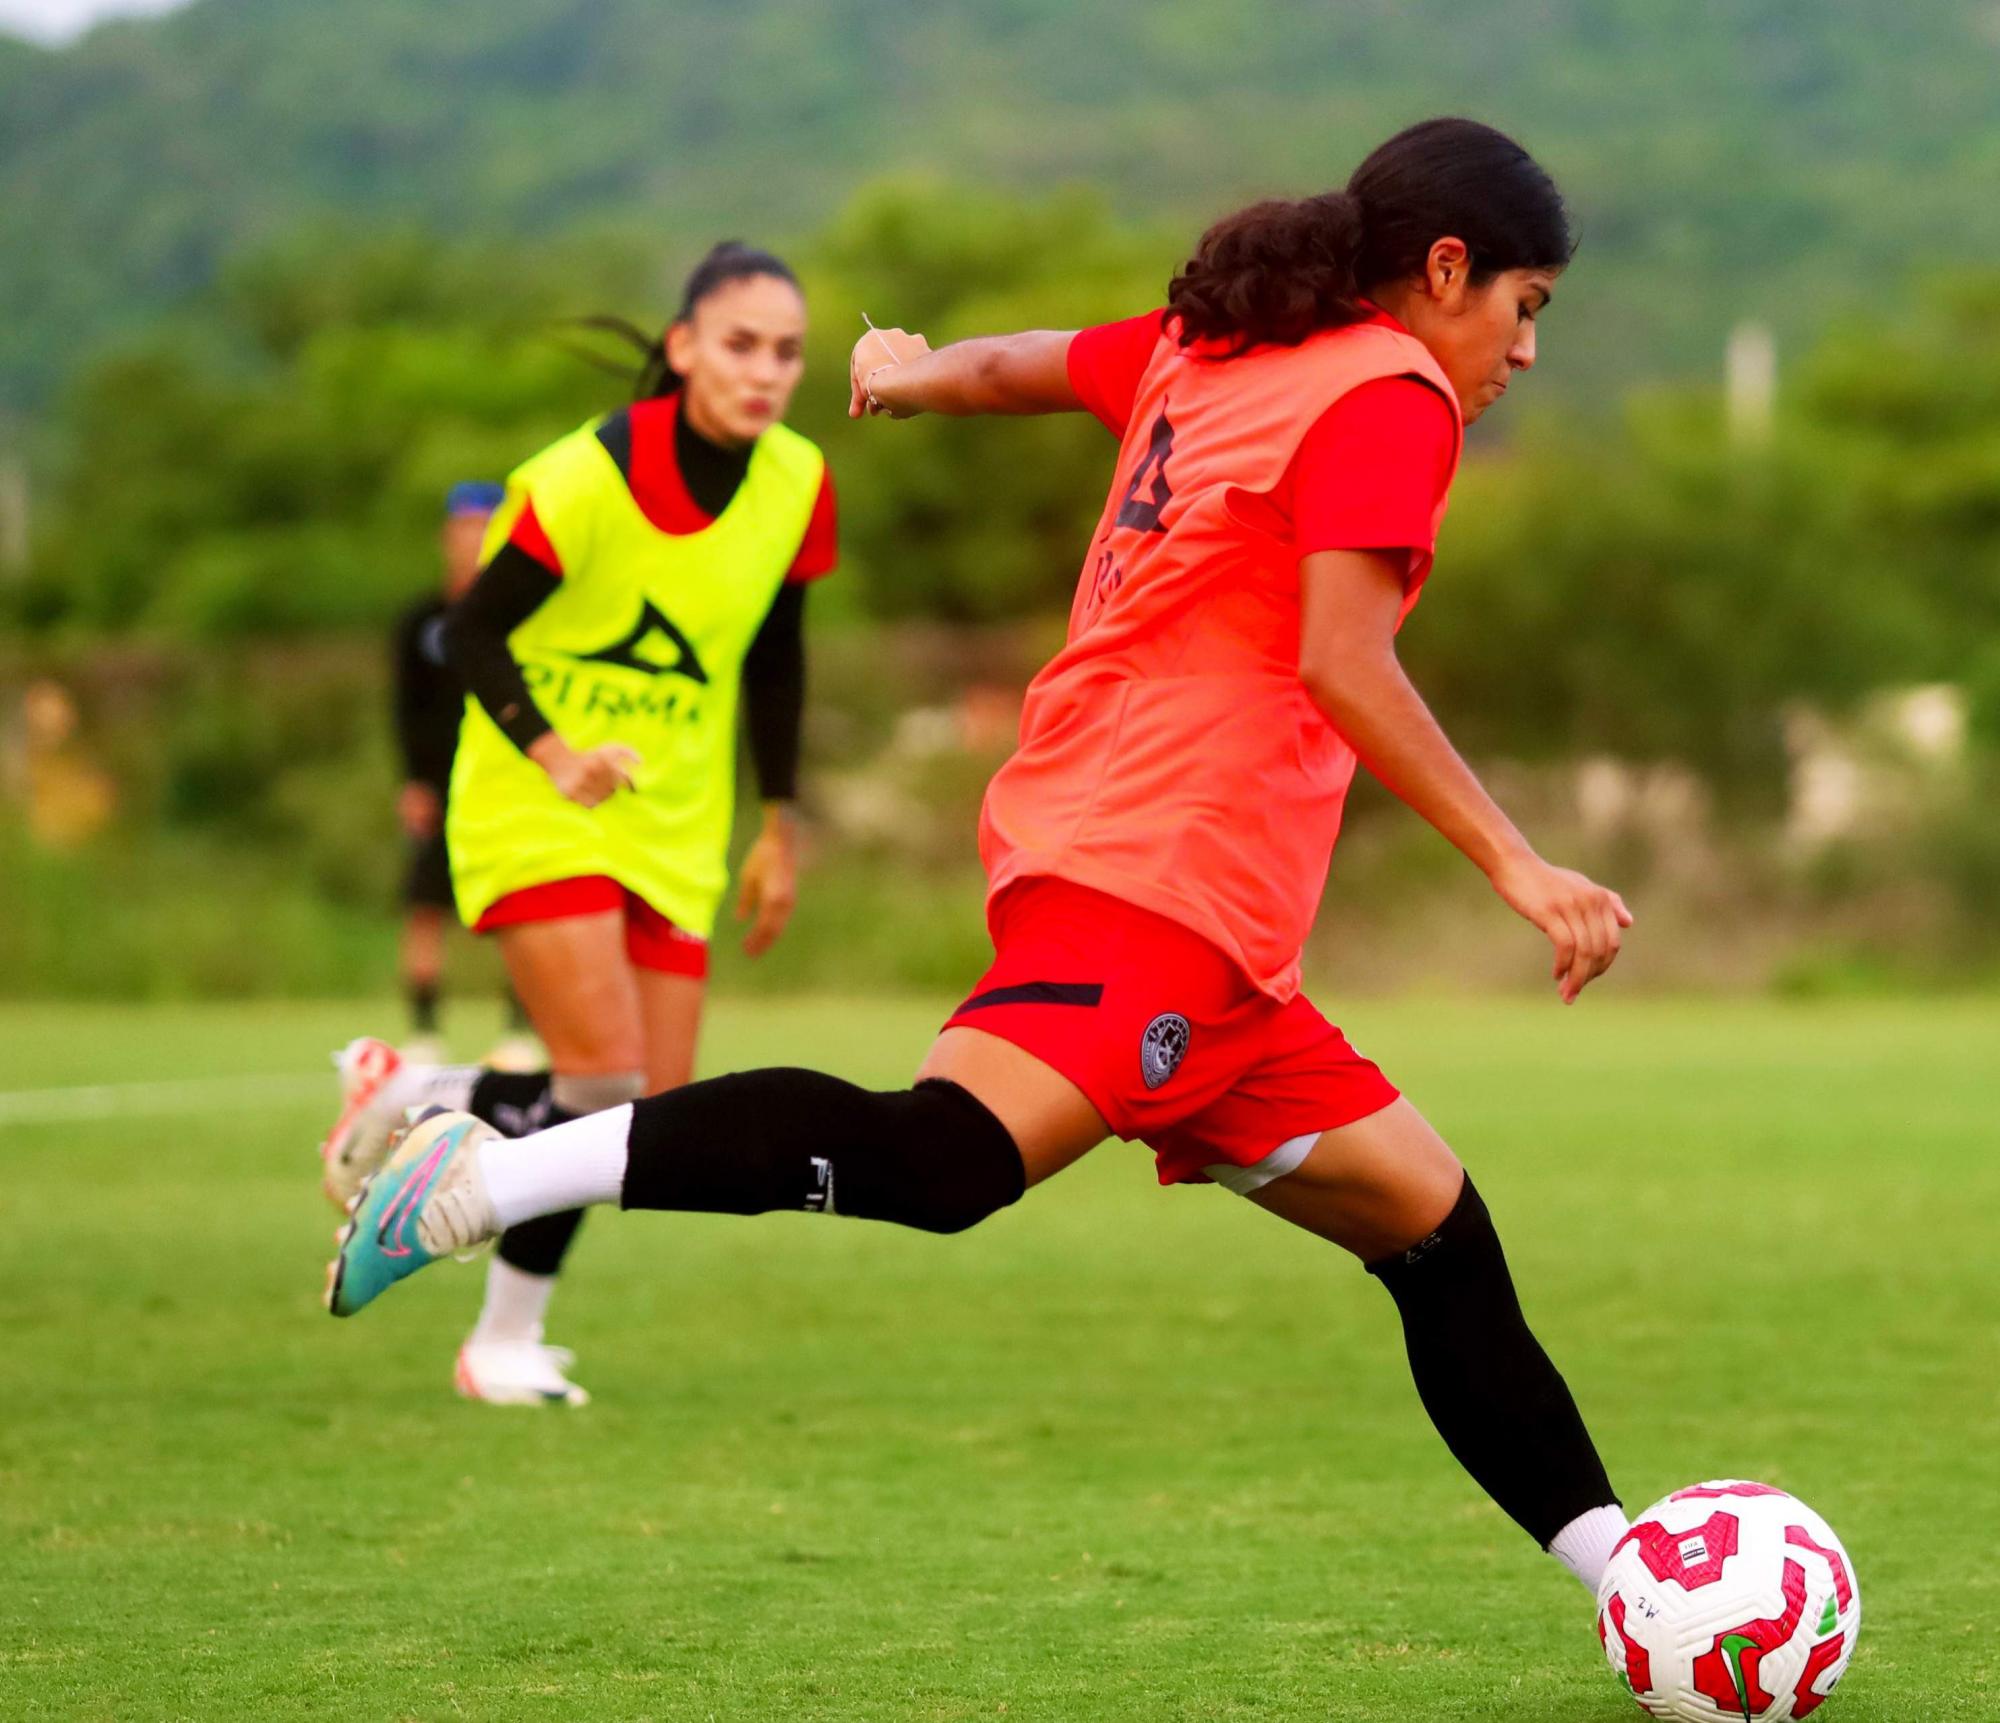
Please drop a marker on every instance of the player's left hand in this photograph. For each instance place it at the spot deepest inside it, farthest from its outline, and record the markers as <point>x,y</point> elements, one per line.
<point>768,888</point>
<point>878,350</point>
<point>1584,921</point>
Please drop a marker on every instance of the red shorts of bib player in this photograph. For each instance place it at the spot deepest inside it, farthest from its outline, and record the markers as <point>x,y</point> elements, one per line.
<point>652,942</point>
<point>1166,1037</point>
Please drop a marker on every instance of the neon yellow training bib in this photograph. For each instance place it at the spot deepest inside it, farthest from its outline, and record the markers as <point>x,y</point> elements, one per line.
<point>642,643</point>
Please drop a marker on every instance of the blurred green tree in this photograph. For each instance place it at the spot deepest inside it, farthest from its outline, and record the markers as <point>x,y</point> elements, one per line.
<point>957,520</point>
<point>274,460</point>
<point>1665,593</point>
<point>272,464</point>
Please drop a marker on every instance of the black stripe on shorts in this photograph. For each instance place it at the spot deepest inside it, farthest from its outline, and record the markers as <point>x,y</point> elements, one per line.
<point>1036,993</point>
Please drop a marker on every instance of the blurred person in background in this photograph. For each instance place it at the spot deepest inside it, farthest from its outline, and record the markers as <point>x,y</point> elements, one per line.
<point>1289,426</point>
<point>637,574</point>
<point>429,703</point>
<point>67,797</point>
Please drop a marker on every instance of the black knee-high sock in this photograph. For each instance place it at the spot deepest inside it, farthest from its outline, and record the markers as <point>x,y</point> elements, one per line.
<point>932,1157</point>
<point>515,1102</point>
<point>423,1007</point>
<point>1502,1408</point>
<point>539,1246</point>
<point>518,1102</point>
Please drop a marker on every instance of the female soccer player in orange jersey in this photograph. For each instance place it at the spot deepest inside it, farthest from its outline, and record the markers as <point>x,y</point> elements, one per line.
<point>1288,429</point>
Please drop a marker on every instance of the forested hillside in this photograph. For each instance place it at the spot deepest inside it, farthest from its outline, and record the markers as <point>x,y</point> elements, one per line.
<point>1776,156</point>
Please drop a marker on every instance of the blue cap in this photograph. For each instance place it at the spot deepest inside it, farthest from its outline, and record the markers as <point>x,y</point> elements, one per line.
<point>474,497</point>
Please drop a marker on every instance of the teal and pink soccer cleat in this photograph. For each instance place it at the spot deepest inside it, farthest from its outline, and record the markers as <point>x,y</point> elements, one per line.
<point>427,1201</point>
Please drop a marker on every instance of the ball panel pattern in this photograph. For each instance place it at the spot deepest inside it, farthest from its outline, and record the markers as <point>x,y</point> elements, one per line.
<point>1729,1599</point>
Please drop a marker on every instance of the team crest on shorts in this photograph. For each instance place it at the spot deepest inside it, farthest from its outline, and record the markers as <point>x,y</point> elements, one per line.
<point>1163,1047</point>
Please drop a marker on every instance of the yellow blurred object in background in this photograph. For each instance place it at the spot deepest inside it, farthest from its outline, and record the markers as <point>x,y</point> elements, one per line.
<point>68,799</point>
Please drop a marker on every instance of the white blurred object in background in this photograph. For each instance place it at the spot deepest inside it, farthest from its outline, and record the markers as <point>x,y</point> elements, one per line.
<point>54,22</point>
<point>1752,387</point>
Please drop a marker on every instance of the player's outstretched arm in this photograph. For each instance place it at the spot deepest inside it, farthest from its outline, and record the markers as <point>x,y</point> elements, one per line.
<point>1351,601</point>
<point>895,372</point>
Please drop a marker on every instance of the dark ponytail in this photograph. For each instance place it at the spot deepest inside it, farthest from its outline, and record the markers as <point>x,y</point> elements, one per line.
<point>1276,272</point>
<point>1284,269</point>
<point>729,260</point>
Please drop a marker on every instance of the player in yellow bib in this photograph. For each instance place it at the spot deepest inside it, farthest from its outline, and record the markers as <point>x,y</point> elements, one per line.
<point>644,576</point>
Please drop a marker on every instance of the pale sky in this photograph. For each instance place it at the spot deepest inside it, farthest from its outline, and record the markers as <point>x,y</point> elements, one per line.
<point>56,21</point>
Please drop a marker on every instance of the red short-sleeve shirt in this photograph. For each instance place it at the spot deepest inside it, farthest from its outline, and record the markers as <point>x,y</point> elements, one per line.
<point>1369,474</point>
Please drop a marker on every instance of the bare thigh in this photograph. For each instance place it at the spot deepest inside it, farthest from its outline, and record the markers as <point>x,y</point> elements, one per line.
<point>670,1026</point>
<point>577,986</point>
<point>1374,1187</point>
<point>1049,1117</point>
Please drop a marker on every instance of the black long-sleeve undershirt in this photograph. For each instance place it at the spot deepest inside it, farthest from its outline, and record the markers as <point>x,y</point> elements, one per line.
<point>428,697</point>
<point>513,586</point>
<point>774,694</point>
<point>509,590</point>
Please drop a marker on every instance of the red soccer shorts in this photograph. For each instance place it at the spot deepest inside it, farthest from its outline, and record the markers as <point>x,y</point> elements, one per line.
<point>1166,1037</point>
<point>651,940</point>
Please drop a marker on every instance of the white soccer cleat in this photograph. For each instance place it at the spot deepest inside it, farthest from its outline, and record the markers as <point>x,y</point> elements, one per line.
<point>371,1110</point>
<point>423,1050</point>
<point>517,1373</point>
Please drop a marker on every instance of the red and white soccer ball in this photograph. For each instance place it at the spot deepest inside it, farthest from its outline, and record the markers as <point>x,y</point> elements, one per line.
<point>1729,1600</point>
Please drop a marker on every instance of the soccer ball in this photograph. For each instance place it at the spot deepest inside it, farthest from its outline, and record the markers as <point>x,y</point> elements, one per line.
<point>1729,1600</point>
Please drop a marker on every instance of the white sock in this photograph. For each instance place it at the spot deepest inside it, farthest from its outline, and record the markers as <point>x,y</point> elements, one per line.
<point>516,1302</point>
<point>434,1086</point>
<point>1584,1546</point>
<point>571,1165</point>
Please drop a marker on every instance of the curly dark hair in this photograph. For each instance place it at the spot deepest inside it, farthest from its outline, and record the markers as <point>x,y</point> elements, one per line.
<point>1283,269</point>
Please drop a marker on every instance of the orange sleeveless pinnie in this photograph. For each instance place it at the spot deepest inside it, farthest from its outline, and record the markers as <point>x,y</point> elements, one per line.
<point>1169,753</point>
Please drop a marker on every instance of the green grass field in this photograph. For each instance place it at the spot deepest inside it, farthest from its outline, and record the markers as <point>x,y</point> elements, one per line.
<point>1121,1453</point>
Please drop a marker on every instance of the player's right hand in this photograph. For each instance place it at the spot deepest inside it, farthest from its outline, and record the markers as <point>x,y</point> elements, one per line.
<point>592,775</point>
<point>1584,921</point>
